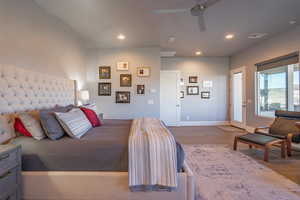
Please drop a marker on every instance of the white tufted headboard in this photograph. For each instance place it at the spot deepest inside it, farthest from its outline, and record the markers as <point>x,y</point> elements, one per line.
<point>22,90</point>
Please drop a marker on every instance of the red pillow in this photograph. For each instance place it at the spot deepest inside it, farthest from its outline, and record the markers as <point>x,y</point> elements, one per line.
<point>92,116</point>
<point>19,127</point>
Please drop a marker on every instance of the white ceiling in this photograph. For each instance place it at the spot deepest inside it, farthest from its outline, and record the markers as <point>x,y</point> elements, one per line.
<point>100,21</point>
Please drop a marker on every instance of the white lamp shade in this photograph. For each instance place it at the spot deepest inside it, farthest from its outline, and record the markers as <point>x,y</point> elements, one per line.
<point>84,95</point>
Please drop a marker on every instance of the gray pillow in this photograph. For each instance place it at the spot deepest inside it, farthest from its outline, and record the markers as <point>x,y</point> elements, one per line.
<point>51,126</point>
<point>74,122</point>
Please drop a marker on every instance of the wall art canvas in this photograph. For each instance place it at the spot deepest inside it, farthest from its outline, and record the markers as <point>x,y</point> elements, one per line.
<point>122,97</point>
<point>140,89</point>
<point>104,89</point>
<point>207,84</point>
<point>104,72</point>
<point>123,66</point>
<point>205,95</point>
<point>193,79</point>
<point>125,80</point>
<point>181,94</point>
<point>192,90</point>
<point>143,71</point>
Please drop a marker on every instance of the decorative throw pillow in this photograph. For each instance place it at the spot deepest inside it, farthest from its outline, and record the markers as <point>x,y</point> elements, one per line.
<point>91,106</point>
<point>19,127</point>
<point>6,128</point>
<point>32,125</point>
<point>51,126</point>
<point>74,122</point>
<point>92,116</point>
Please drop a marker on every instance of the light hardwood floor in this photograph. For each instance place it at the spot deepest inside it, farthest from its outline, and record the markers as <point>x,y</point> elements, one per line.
<point>289,167</point>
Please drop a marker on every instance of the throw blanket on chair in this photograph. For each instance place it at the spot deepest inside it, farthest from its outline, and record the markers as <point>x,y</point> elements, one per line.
<point>152,156</point>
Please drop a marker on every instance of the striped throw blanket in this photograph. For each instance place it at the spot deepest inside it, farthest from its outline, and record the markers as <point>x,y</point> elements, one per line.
<point>152,156</point>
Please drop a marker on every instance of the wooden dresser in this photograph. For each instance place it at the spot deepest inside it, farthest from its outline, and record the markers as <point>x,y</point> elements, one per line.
<point>10,172</point>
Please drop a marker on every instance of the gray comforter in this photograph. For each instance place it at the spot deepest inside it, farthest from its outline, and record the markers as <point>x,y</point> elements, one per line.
<point>103,148</point>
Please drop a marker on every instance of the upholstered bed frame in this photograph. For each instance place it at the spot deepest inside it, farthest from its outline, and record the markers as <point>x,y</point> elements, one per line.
<point>22,90</point>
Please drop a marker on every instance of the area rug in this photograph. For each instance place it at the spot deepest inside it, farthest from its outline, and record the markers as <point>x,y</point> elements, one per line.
<point>223,174</point>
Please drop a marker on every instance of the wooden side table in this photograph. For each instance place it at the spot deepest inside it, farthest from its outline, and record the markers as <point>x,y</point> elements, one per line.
<point>261,141</point>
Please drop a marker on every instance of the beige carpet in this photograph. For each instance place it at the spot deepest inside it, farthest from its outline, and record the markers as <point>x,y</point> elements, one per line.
<point>224,174</point>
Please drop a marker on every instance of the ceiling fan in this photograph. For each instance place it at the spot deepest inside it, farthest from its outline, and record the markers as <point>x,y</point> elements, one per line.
<point>198,11</point>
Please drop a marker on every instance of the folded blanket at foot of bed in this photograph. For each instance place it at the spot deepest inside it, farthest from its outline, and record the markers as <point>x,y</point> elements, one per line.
<point>152,156</point>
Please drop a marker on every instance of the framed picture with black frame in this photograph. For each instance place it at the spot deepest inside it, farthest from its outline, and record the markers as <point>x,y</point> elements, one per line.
<point>140,89</point>
<point>122,97</point>
<point>125,80</point>
<point>193,79</point>
<point>104,89</point>
<point>104,72</point>
<point>205,95</point>
<point>192,90</point>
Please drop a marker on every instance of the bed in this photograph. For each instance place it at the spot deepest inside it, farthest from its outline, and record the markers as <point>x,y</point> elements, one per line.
<point>94,167</point>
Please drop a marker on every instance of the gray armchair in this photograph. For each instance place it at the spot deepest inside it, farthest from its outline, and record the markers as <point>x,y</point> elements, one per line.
<point>285,126</point>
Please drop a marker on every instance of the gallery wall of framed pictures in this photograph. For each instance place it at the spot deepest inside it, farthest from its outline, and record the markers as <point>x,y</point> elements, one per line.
<point>195,87</point>
<point>130,83</point>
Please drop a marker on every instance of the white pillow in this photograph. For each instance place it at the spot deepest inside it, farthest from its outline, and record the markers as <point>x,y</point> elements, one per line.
<point>32,125</point>
<point>6,128</point>
<point>74,122</point>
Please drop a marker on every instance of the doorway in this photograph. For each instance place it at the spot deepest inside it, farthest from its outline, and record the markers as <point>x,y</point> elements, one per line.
<point>238,97</point>
<point>170,106</point>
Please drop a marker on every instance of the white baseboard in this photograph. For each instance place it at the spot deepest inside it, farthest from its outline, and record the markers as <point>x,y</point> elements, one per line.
<point>203,123</point>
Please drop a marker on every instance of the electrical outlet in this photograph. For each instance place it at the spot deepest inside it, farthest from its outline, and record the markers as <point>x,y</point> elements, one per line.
<point>187,117</point>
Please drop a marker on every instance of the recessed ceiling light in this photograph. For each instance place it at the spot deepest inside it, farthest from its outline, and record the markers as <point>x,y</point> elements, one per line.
<point>229,36</point>
<point>292,22</point>
<point>198,53</point>
<point>121,37</point>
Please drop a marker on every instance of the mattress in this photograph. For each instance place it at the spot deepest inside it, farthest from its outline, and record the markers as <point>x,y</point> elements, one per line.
<point>103,148</point>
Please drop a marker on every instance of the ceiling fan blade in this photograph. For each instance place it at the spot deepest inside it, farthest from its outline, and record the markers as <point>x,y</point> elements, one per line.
<point>201,22</point>
<point>210,3</point>
<point>169,11</point>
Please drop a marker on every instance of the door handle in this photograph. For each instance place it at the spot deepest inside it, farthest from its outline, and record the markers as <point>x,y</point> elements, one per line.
<point>177,105</point>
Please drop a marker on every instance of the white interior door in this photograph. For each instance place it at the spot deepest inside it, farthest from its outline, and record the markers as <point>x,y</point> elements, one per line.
<point>238,97</point>
<point>170,97</point>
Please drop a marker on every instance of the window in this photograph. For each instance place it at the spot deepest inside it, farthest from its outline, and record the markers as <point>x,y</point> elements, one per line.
<point>278,86</point>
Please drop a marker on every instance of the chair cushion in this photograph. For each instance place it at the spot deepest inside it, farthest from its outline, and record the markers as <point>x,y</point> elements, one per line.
<point>74,122</point>
<point>92,116</point>
<point>257,138</point>
<point>283,126</point>
<point>32,125</point>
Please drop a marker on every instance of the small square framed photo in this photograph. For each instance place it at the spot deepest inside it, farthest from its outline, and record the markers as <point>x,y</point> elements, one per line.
<point>104,89</point>
<point>143,71</point>
<point>122,97</point>
<point>140,89</point>
<point>125,80</point>
<point>193,79</point>
<point>123,66</point>
<point>104,72</point>
<point>192,90</point>
<point>181,94</point>
<point>205,95</point>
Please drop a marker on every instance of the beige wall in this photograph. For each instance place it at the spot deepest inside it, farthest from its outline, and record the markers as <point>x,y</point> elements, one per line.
<point>32,39</point>
<point>137,57</point>
<point>279,45</point>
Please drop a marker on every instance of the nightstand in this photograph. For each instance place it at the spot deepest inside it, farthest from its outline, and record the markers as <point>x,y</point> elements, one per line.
<point>10,172</point>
